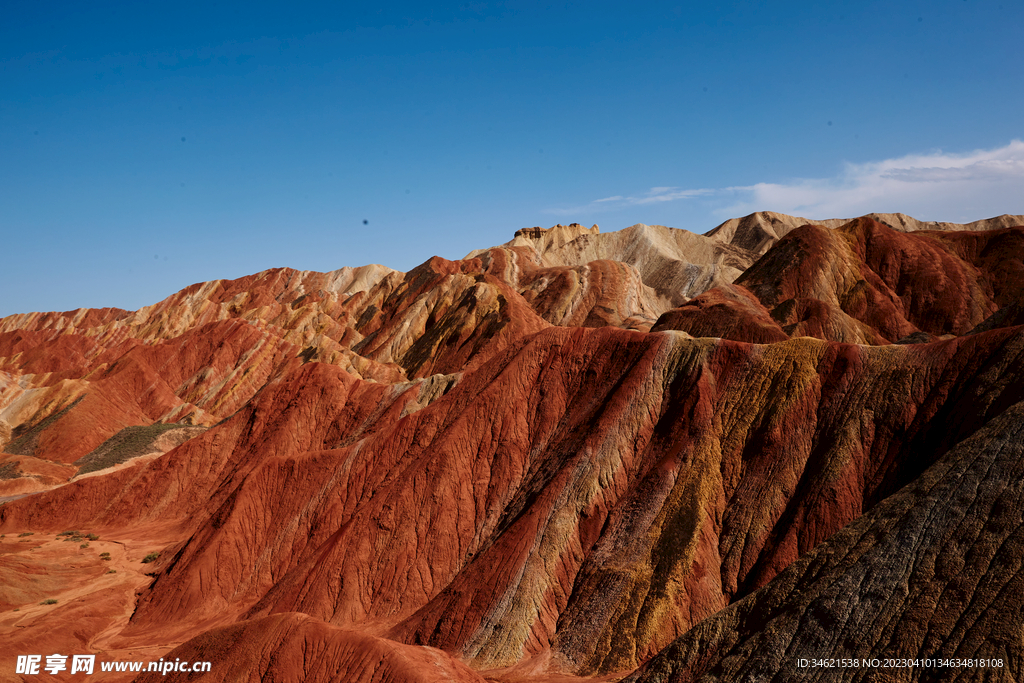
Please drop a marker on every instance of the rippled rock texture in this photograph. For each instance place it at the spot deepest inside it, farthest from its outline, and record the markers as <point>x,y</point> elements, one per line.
<point>576,456</point>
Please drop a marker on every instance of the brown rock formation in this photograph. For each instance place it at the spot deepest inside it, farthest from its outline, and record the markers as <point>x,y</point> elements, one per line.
<point>931,574</point>
<point>619,528</point>
<point>491,469</point>
<point>863,283</point>
<point>729,311</point>
<point>678,264</point>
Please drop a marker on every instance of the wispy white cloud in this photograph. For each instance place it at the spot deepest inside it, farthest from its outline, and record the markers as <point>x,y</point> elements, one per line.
<point>923,185</point>
<point>931,186</point>
<point>668,194</point>
<point>652,196</point>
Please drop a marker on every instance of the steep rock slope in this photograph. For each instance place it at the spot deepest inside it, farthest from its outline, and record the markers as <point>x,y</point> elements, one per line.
<point>863,283</point>
<point>678,264</point>
<point>65,405</point>
<point>197,357</point>
<point>597,294</point>
<point>640,484</point>
<point>932,573</point>
<point>729,311</point>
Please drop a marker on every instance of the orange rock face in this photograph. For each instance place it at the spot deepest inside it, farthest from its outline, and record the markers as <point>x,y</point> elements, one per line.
<point>863,283</point>
<point>515,466</point>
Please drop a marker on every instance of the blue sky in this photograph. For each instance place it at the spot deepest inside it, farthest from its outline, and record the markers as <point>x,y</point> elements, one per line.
<point>145,147</point>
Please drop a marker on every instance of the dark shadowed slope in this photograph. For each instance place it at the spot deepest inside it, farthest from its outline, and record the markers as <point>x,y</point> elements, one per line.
<point>933,572</point>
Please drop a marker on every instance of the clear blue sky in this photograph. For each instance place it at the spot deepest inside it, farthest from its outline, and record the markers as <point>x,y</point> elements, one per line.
<point>145,146</point>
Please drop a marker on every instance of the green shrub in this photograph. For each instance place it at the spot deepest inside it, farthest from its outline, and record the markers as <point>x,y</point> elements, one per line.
<point>25,533</point>
<point>92,537</point>
<point>51,601</point>
<point>68,533</point>
<point>84,545</point>
<point>152,557</point>
<point>112,571</point>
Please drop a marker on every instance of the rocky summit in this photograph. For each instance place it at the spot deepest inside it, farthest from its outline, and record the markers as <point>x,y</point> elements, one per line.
<point>782,450</point>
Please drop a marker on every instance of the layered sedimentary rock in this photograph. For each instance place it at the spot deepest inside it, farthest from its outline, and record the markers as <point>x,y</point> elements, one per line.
<point>931,575</point>
<point>729,311</point>
<point>679,264</point>
<point>676,264</point>
<point>864,283</point>
<point>523,465</point>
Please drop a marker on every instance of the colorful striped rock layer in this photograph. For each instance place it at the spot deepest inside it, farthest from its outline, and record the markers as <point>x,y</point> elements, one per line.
<point>580,456</point>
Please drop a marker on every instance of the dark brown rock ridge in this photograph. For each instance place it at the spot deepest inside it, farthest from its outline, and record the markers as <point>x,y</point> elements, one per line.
<point>932,573</point>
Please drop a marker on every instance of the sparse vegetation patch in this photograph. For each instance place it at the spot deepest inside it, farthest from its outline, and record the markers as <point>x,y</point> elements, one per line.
<point>26,438</point>
<point>152,557</point>
<point>128,443</point>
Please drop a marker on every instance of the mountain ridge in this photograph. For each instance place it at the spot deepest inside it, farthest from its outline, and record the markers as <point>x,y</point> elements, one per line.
<point>527,464</point>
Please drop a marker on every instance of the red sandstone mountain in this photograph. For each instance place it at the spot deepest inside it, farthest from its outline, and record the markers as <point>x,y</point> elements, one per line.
<point>541,462</point>
<point>863,283</point>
